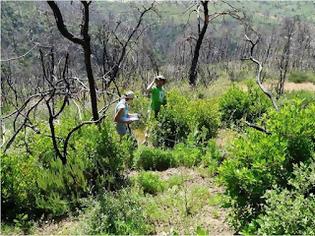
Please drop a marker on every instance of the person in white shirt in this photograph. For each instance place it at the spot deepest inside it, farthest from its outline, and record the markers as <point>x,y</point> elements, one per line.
<point>122,117</point>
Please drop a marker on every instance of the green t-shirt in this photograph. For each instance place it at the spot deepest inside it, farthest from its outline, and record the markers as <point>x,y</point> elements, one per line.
<point>158,98</point>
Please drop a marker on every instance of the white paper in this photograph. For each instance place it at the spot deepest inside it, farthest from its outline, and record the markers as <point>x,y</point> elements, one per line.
<point>133,117</point>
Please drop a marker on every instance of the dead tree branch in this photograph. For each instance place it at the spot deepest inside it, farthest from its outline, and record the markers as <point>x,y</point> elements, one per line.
<point>259,70</point>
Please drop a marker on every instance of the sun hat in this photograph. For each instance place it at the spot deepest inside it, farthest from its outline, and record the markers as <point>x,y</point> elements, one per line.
<point>160,77</point>
<point>129,94</point>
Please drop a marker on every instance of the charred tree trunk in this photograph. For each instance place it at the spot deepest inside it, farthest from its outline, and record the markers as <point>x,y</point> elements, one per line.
<point>201,34</point>
<point>85,44</point>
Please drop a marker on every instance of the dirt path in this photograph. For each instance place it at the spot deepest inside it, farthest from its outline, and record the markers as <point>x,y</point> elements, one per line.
<point>203,198</point>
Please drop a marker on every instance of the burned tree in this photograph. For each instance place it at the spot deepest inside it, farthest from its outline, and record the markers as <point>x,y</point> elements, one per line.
<point>84,42</point>
<point>207,18</point>
<point>285,57</point>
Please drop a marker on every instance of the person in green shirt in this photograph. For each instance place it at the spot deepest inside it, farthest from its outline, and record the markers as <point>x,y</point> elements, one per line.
<point>158,96</point>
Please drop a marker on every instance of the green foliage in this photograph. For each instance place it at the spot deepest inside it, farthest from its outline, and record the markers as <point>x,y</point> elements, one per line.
<point>291,210</point>
<point>303,181</point>
<point>237,104</point>
<point>140,105</point>
<point>257,161</point>
<point>287,213</point>
<point>150,182</point>
<point>170,129</point>
<point>182,154</point>
<point>154,159</point>
<point>295,123</point>
<point>108,159</point>
<point>37,183</point>
<point>181,117</point>
<point>212,157</point>
<point>255,165</point>
<point>119,213</point>
<point>302,76</point>
<point>204,119</point>
<point>185,155</point>
<point>307,96</point>
<point>18,184</point>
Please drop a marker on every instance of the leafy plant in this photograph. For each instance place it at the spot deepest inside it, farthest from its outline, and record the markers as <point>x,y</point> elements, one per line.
<point>119,213</point>
<point>185,155</point>
<point>237,104</point>
<point>257,161</point>
<point>150,182</point>
<point>154,159</point>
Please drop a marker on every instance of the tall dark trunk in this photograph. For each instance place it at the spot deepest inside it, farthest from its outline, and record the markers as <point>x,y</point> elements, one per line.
<point>85,44</point>
<point>201,34</point>
<point>89,72</point>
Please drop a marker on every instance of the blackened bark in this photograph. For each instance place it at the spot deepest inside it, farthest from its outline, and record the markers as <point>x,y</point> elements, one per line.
<point>85,44</point>
<point>194,63</point>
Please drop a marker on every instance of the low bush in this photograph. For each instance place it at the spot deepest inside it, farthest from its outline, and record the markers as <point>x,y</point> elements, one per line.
<point>150,182</point>
<point>18,185</point>
<point>140,105</point>
<point>185,155</point>
<point>182,154</point>
<point>181,117</point>
<point>204,119</point>
<point>287,214</point>
<point>308,97</point>
<point>119,213</point>
<point>237,104</point>
<point>257,161</point>
<point>212,157</point>
<point>36,182</point>
<point>289,211</point>
<point>302,76</point>
<point>154,159</point>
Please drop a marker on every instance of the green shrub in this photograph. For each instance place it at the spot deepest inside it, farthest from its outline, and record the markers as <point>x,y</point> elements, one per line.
<point>212,157</point>
<point>150,182</point>
<point>149,158</point>
<point>257,161</point>
<point>302,76</point>
<point>108,159</point>
<point>185,155</point>
<point>204,119</point>
<point>18,185</point>
<point>303,181</point>
<point>171,126</point>
<point>308,97</point>
<point>237,104</point>
<point>181,117</point>
<point>140,105</point>
<point>170,129</point>
<point>154,159</point>
<point>119,213</point>
<point>291,210</point>
<point>38,183</point>
<point>287,214</point>
<point>295,123</point>
<point>255,164</point>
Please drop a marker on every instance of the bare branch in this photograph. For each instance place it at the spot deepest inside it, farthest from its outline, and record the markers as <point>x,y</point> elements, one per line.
<point>257,127</point>
<point>19,57</point>
<point>259,70</point>
<point>60,24</point>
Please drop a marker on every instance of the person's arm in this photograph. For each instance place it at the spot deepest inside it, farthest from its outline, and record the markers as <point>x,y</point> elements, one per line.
<point>118,115</point>
<point>150,86</point>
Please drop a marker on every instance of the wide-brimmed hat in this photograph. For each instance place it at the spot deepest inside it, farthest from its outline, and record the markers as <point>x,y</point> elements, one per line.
<point>160,77</point>
<point>129,95</point>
